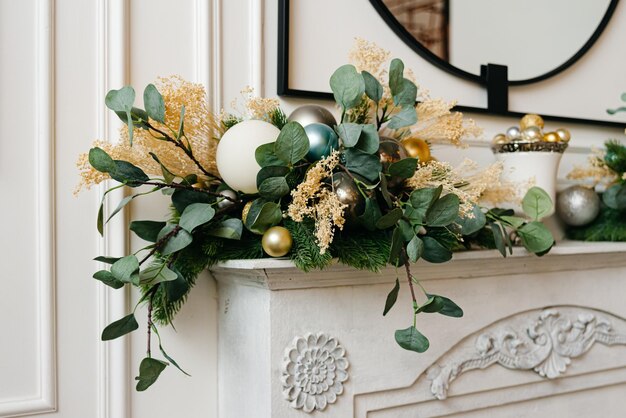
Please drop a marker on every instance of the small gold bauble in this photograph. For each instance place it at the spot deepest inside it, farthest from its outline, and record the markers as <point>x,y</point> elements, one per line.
<point>277,241</point>
<point>551,137</point>
<point>244,212</point>
<point>499,139</point>
<point>531,120</point>
<point>563,134</point>
<point>417,148</point>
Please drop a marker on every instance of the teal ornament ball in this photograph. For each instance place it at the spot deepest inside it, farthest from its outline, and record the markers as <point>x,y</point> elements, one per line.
<point>308,114</point>
<point>322,141</point>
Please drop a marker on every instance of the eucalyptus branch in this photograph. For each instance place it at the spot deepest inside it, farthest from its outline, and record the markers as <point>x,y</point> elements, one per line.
<point>160,243</point>
<point>409,276</point>
<point>185,187</point>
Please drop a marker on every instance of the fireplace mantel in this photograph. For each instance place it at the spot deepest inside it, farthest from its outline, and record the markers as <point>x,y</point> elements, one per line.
<point>273,317</point>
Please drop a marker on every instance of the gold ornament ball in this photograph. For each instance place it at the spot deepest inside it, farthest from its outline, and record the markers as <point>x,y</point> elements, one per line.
<point>564,134</point>
<point>499,139</point>
<point>551,137</point>
<point>417,148</point>
<point>531,120</point>
<point>277,241</point>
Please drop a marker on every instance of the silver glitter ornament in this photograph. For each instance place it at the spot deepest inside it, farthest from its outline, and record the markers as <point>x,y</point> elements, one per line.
<point>224,203</point>
<point>513,133</point>
<point>308,114</point>
<point>577,205</point>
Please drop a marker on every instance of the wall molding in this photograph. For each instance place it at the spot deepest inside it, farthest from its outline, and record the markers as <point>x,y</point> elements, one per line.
<point>113,72</point>
<point>46,400</point>
<point>256,14</point>
<point>208,49</point>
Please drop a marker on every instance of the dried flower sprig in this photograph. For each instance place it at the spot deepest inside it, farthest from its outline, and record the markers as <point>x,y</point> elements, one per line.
<point>313,199</point>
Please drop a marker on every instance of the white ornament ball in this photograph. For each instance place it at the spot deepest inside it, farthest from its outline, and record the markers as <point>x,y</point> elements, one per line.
<point>235,153</point>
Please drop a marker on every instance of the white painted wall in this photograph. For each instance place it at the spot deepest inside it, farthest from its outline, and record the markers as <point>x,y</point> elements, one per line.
<point>59,57</point>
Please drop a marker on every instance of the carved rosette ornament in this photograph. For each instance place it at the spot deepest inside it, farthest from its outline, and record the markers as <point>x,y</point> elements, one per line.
<point>546,345</point>
<point>313,373</point>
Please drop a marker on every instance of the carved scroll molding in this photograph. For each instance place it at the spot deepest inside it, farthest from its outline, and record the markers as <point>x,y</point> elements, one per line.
<point>313,372</point>
<point>544,342</point>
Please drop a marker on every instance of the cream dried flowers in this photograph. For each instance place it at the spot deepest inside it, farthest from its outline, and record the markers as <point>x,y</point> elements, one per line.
<point>596,169</point>
<point>466,181</point>
<point>313,199</point>
<point>201,133</point>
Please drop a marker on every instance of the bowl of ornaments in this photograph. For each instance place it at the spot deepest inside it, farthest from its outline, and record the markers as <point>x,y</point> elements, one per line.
<point>530,155</point>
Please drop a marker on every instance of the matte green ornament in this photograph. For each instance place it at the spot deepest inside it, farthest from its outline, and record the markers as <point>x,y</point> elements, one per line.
<point>322,141</point>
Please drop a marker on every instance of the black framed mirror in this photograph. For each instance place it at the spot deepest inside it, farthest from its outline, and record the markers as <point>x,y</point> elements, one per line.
<point>494,78</point>
<point>534,39</point>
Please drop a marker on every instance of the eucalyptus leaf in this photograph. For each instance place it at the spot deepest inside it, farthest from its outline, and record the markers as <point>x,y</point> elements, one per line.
<point>176,289</point>
<point>120,100</point>
<point>370,215</point>
<point>181,123</point>
<point>396,76</point>
<point>138,117</point>
<point>443,212</point>
<point>157,274</point>
<point>265,156</point>
<point>147,230</point>
<point>392,297</point>
<point>100,219</point>
<point>108,279</point>
<point>274,188</point>
<point>195,215</point>
<point>107,260</point>
<point>347,86</point>
<point>120,327</point>
<point>422,199</point>
<point>181,198</point>
<point>229,228</point>
<point>359,162</point>
<point>514,221</point>
<point>615,197</point>
<point>176,242</point>
<point>411,339</point>
<point>149,371</point>
<point>449,308</point>
<point>373,88</point>
<point>404,168</point>
<point>292,143</point>
<point>405,227</point>
<point>498,238</point>
<point>100,160</point>
<point>128,173</point>
<point>126,269</point>
<point>415,248</point>
<point>537,203</point>
<point>168,176</point>
<point>434,251</point>
<point>154,104</point>
<point>369,141</point>
<point>432,305</point>
<point>405,117</point>
<point>536,237</point>
<point>389,219</point>
<point>349,133</point>
<point>473,222</point>
<point>266,216</point>
<point>407,95</point>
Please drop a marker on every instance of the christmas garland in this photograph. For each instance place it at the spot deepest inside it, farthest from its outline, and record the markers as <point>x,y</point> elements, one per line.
<point>364,191</point>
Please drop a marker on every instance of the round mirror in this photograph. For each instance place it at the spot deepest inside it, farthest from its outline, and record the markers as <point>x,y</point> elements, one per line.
<point>535,39</point>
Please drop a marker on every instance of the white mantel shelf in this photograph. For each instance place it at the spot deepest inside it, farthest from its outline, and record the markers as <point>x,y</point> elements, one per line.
<point>281,274</point>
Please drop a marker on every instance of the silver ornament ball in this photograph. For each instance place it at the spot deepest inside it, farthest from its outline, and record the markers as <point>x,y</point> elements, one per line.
<point>577,205</point>
<point>532,134</point>
<point>224,203</point>
<point>308,114</point>
<point>513,133</point>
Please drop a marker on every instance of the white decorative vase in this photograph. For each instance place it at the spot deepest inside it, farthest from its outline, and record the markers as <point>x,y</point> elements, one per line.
<point>527,165</point>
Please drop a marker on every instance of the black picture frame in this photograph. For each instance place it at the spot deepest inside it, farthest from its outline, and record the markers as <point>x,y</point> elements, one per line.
<point>284,90</point>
